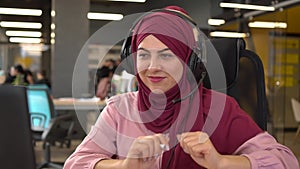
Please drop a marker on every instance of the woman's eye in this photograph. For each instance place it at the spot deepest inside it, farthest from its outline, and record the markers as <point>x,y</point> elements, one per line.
<point>166,55</point>
<point>143,55</point>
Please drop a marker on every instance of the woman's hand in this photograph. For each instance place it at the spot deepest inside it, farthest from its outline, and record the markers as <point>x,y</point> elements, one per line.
<point>145,150</point>
<point>200,148</point>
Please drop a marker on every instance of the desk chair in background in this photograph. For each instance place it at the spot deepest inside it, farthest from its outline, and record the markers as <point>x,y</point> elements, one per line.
<point>46,125</point>
<point>41,108</point>
<point>296,111</point>
<point>16,148</point>
<point>244,77</point>
<point>60,128</point>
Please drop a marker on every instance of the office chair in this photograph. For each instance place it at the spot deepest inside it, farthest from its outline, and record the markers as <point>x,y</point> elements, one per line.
<point>244,77</point>
<point>41,108</point>
<point>45,119</point>
<point>60,128</point>
<point>296,111</point>
<point>16,148</point>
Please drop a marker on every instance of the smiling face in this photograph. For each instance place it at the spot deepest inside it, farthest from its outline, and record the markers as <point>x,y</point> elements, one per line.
<point>158,67</point>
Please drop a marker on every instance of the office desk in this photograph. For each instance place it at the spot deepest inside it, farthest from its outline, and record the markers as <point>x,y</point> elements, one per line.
<point>78,104</point>
<point>86,110</point>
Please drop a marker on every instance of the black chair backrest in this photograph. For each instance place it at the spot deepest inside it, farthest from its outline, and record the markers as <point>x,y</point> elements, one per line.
<point>41,107</point>
<point>244,77</point>
<point>16,148</point>
<point>60,128</point>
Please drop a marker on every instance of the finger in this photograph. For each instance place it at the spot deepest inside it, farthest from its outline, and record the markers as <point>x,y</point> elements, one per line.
<point>164,141</point>
<point>150,142</point>
<point>156,146</point>
<point>139,148</point>
<point>188,143</point>
<point>191,139</point>
<point>200,150</point>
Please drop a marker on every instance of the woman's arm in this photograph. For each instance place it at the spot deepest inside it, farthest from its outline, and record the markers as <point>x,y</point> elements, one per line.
<point>203,152</point>
<point>90,152</point>
<point>260,152</point>
<point>264,151</point>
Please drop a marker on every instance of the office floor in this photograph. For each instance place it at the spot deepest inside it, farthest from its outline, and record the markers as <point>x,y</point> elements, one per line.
<point>61,154</point>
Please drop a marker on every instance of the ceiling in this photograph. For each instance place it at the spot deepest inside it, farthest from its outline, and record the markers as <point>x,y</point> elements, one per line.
<point>44,5</point>
<point>290,15</point>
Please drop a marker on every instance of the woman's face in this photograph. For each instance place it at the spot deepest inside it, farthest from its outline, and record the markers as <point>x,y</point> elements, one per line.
<point>158,67</point>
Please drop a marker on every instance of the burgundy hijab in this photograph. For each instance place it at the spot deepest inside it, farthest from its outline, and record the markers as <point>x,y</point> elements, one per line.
<point>159,112</point>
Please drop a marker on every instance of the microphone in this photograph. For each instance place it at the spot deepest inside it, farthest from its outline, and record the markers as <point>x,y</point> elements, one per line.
<point>203,74</point>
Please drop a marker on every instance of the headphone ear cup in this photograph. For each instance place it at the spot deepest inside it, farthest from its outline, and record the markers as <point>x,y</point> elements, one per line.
<point>128,64</point>
<point>194,59</point>
<point>126,57</point>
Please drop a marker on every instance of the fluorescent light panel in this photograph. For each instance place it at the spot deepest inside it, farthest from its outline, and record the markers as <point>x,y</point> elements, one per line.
<point>228,34</point>
<point>34,47</point>
<point>25,40</point>
<point>216,21</point>
<point>139,1</point>
<point>104,16</point>
<point>20,11</point>
<point>24,33</point>
<point>259,24</point>
<point>33,25</point>
<point>247,6</point>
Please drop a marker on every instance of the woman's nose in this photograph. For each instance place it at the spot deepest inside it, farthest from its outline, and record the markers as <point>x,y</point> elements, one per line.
<point>154,63</point>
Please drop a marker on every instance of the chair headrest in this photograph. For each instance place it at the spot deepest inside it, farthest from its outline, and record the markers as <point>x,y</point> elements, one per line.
<point>228,50</point>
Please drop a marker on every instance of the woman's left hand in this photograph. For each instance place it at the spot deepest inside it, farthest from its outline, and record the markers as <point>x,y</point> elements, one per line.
<point>200,148</point>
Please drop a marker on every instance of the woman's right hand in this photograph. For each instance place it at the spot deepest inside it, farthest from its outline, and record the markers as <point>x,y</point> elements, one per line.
<point>145,150</point>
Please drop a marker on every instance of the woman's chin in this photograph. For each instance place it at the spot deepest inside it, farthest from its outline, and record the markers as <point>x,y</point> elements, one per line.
<point>157,91</point>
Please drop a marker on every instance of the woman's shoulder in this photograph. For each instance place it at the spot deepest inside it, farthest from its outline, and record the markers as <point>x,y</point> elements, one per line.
<point>122,102</point>
<point>121,107</point>
<point>124,97</point>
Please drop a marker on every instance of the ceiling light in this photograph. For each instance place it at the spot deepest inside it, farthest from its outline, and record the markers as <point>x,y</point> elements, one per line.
<point>24,33</point>
<point>19,11</point>
<point>34,47</point>
<point>140,1</point>
<point>52,26</point>
<point>259,24</point>
<point>228,34</point>
<point>33,25</point>
<point>104,16</point>
<point>216,21</point>
<point>247,6</point>
<point>25,40</point>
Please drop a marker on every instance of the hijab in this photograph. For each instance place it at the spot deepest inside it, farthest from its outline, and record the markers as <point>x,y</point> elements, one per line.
<point>189,114</point>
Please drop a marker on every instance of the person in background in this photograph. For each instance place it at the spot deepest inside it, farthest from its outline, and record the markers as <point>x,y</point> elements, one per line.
<point>16,76</point>
<point>158,127</point>
<point>29,79</point>
<point>2,76</point>
<point>42,78</point>
<point>103,79</point>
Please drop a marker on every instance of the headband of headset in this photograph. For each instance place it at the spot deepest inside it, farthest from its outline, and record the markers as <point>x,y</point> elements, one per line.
<point>198,53</point>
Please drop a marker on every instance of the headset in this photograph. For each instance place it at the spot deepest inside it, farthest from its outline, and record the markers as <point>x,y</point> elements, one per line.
<point>196,59</point>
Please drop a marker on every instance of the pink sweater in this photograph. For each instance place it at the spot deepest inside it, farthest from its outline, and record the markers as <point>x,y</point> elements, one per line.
<point>119,125</point>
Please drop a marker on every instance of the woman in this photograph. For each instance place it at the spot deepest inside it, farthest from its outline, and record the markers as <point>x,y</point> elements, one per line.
<point>149,129</point>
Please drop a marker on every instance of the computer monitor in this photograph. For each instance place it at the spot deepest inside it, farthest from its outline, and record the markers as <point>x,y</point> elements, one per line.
<point>39,103</point>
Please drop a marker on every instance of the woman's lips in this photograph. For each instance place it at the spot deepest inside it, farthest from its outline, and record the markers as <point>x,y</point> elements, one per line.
<point>155,79</point>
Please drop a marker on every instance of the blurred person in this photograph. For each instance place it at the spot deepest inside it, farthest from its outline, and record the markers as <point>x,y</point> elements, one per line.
<point>103,79</point>
<point>2,76</point>
<point>42,78</point>
<point>16,76</point>
<point>163,124</point>
<point>29,79</point>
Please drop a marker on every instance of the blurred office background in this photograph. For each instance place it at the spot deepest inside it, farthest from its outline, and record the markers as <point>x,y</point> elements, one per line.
<point>67,42</point>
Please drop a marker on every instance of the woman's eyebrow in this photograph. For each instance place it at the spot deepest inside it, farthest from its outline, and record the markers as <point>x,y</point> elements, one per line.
<point>163,50</point>
<point>159,51</point>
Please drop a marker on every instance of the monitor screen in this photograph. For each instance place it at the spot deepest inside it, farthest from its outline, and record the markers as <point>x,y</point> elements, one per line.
<point>38,103</point>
